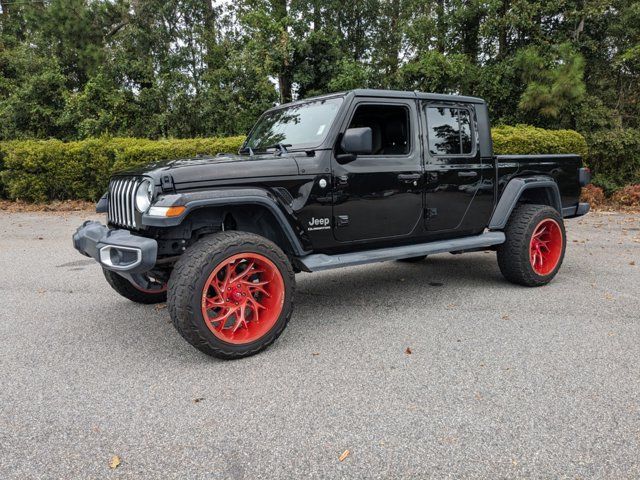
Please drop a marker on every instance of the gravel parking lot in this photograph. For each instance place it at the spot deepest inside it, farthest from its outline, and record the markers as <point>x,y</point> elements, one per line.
<point>502,381</point>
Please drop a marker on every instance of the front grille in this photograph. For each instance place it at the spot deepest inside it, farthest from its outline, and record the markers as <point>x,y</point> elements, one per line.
<point>122,202</point>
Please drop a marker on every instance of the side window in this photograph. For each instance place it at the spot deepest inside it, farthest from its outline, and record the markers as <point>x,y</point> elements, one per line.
<point>449,131</point>
<point>389,126</point>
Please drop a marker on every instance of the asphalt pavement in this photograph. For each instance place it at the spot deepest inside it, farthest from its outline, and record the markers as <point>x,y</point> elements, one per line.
<point>501,381</point>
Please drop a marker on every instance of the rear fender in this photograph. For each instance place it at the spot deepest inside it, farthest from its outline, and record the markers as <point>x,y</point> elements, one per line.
<point>542,187</point>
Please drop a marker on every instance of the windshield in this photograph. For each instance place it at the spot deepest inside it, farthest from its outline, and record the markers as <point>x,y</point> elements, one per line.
<point>299,126</point>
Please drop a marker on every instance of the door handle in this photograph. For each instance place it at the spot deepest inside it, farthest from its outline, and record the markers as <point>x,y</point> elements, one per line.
<point>467,174</point>
<point>409,177</point>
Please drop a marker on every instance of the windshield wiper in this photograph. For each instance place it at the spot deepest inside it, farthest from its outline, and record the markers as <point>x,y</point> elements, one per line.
<point>282,147</point>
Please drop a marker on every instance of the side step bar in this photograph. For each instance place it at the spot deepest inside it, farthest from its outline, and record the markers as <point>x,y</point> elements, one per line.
<point>319,261</point>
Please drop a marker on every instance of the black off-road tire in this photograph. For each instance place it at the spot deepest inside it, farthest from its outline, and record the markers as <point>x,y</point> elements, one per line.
<point>125,288</point>
<point>417,259</point>
<point>514,255</point>
<point>188,279</point>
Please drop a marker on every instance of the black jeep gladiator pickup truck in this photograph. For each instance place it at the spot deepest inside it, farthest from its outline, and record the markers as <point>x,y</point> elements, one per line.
<point>343,179</point>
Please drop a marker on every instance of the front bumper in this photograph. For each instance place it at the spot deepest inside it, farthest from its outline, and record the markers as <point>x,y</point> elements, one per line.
<point>116,250</point>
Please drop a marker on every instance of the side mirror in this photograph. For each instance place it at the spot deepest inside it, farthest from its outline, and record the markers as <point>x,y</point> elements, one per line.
<point>356,141</point>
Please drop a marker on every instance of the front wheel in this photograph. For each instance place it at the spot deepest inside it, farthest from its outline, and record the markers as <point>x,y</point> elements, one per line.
<point>231,294</point>
<point>152,292</point>
<point>535,244</point>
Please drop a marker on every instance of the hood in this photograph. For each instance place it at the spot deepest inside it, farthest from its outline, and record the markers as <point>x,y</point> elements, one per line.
<point>220,167</point>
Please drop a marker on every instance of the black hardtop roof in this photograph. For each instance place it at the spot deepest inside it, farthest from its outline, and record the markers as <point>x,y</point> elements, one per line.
<point>366,92</point>
<point>370,92</point>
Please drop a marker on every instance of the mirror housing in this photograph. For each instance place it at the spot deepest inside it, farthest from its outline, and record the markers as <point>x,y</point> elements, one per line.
<point>356,141</point>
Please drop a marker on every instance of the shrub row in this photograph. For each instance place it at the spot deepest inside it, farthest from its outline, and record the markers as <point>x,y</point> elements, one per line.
<point>528,140</point>
<point>614,156</point>
<point>53,170</point>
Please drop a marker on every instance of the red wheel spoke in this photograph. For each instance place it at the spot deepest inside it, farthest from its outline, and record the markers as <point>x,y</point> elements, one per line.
<point>243,273</point>
<point>218,289</point>
<point>256,303</point>
<point>212,303</point>
<point>223,319</point>
<point>255,317</point>
<point>259,289</point>
<point>256,284</point>
<point>240,319</point>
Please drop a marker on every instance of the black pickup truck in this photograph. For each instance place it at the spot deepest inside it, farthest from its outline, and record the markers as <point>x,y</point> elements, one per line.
<point>339,180</point>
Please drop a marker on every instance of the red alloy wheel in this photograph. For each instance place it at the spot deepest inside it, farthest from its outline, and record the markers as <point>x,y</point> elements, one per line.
<point>243,297</point>
<point>545,247</point>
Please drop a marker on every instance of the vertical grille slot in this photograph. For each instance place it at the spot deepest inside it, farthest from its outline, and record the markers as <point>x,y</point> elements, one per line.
<point>122,202</point>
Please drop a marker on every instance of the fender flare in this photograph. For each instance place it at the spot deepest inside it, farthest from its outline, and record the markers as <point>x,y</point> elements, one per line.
<point>225,197</point>
<point>514,190</point>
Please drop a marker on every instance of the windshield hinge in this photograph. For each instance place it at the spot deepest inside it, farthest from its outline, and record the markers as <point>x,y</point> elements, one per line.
<point>166,183</point>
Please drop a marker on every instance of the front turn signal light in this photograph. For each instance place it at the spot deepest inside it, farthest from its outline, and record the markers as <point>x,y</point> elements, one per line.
<point>166,211</point>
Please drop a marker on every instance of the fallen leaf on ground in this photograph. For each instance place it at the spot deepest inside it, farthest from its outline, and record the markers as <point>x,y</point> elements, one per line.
<point>315,354</point>
<point>114,462</point>
<point>408,351</point>
<point>161,306</point>
<point>505,317</point>
<point>198,400</point>
<point>632,263</point>
<point>344,455</point>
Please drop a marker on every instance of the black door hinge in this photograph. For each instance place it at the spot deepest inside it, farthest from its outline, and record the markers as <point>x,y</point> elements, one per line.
<point>342,220</point>
<point>430,212</point>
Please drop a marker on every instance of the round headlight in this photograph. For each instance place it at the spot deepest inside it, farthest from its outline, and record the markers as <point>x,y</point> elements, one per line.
<point>144,195</point>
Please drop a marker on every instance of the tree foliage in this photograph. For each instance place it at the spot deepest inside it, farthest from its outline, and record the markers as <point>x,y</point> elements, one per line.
<point>74,69</point>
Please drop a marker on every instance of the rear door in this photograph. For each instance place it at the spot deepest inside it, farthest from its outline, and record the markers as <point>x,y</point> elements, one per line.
<point>380,195</point>
<point>453,166</point>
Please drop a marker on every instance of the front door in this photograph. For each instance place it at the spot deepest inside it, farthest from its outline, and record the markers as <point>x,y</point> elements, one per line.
<point>380,195</point>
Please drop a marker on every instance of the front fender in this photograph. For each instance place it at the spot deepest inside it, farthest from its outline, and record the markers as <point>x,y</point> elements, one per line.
<point>222,197</point>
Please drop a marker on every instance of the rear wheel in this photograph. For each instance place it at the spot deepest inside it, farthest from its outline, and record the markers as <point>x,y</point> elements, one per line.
<point>535,244</point>
<point>231,294</point>
<point>153,292</point>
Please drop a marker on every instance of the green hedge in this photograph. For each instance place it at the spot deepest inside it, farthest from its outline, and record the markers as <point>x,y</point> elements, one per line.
<point>52,170</point>
<point>614,156</point>
<point>527,140</point>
